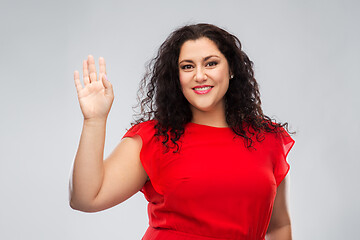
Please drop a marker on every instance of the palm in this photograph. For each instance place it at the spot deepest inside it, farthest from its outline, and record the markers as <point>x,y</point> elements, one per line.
<point>96,96</point>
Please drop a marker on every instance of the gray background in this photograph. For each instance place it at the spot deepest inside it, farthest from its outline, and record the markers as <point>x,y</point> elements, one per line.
<point>306,56</point>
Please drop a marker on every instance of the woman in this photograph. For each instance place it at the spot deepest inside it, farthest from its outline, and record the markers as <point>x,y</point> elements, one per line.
<point>210,163</point>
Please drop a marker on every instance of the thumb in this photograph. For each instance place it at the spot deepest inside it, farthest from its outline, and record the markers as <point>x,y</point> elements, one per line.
<point>107,85</point>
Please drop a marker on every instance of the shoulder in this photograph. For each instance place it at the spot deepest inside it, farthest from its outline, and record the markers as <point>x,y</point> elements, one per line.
<point>273,129</point>
<point>145,124</point>
<point>146,131</point>
<point>279,140</point>
<point>146,128</point>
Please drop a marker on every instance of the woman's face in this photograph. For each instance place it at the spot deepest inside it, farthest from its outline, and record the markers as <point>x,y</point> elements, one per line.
<point>204,75</point>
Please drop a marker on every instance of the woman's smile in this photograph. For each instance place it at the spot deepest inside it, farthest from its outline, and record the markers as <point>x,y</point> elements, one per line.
<point>202,89</point>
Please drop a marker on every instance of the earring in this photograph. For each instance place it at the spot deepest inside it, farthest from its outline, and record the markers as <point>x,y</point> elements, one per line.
<point>231,76</point>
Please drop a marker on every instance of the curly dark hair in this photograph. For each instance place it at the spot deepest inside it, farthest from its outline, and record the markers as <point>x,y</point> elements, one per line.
<point>160,96</point>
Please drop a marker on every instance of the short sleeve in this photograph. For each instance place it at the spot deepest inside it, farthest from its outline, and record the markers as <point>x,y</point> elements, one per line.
<point>149,149</point>
<point>282,146</point>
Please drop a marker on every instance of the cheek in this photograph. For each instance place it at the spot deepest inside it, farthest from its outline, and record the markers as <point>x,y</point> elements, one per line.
<point>222,78</point>
<point>182,85</point>
<point>185,89</point>
<point>184,81</point>
<point>223,83</point>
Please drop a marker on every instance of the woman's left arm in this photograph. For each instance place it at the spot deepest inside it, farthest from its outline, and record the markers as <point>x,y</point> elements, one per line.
<point>280,225</point>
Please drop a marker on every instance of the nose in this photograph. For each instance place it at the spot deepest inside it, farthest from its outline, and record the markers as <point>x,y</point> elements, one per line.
<point>200,75</point>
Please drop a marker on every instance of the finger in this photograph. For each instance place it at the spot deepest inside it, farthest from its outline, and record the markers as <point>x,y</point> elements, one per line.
<point>78,85</point>
<point>85,73</point>
<point>107,85</point>
<point>102,66</point>
<point>92,68</point>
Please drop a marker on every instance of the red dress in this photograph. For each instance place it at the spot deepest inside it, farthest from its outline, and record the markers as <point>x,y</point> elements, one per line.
<point>215,187</point>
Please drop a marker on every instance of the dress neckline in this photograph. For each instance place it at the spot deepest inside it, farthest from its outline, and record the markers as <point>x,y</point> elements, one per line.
<point>206,126</point>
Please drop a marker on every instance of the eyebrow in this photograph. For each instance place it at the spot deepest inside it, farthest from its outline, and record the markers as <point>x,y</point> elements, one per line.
<point>205,58</point>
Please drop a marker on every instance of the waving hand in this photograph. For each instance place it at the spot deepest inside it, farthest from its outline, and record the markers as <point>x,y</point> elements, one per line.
<point>96,96</point>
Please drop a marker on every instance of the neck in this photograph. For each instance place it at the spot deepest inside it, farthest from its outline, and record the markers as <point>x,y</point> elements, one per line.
<point>210,118</point>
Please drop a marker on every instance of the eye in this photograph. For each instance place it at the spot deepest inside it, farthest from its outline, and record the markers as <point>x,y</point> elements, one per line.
<point>186,67</point>
<point>211,64</point>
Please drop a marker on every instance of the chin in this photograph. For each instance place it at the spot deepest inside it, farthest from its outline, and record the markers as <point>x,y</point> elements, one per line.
<point>202,108</point>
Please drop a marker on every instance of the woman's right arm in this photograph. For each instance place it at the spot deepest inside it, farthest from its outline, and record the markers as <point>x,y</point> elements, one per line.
<point>96,184</point>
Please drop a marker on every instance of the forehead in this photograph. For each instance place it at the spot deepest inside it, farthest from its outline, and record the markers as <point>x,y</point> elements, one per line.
<point>199,48</point>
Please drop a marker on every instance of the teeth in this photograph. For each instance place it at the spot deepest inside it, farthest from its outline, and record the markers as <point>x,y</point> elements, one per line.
<point>202,89</point>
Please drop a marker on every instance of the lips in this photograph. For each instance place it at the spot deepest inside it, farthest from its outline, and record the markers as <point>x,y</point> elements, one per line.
<point>202,89</point>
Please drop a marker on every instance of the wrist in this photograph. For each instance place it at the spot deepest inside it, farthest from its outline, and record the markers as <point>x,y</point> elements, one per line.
<point>95,121</point>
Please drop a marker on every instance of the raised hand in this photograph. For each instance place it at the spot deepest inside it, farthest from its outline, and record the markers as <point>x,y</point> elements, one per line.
<point>96,96</point>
